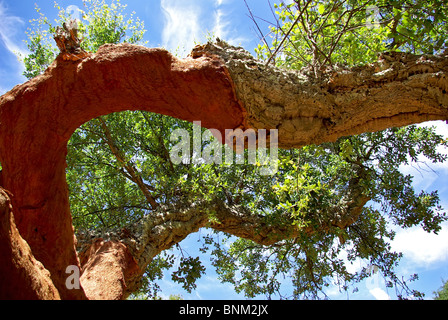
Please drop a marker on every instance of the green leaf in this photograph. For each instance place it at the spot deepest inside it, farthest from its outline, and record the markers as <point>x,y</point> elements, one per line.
<point>321,8</point>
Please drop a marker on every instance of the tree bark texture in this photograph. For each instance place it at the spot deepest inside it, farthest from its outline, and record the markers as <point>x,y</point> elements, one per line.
<point>222,86</point>
<point>23,277</point>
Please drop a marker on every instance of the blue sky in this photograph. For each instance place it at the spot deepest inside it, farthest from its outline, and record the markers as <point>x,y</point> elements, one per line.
<point>177,25</point>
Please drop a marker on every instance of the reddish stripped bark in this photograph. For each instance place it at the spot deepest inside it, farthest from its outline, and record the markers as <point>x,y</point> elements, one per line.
<point>38,117</point>
<point>22,276</point>
<point>108,269</point>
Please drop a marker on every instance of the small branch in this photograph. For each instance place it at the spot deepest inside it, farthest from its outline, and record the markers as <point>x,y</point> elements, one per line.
<point>166,154</point>
<point>287,33</point>
<point>262,37</point>
<point>135,177</point>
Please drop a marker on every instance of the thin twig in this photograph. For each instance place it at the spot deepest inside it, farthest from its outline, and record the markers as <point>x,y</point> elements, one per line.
<point>287,33</point>
<point>262,37</point>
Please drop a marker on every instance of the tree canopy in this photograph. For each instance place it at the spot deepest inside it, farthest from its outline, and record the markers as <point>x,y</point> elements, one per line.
<point>442,293</point>
<point>327,204</point>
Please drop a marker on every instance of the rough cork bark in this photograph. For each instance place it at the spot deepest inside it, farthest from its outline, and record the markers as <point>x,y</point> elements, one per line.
<point>399,89</point>
<point>223,87</point>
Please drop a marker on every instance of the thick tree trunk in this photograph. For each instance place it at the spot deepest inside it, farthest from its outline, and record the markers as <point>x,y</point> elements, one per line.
<point>108,270</point>
<point>22,276</point>
<point>38,118</point>
<point>223,87</point>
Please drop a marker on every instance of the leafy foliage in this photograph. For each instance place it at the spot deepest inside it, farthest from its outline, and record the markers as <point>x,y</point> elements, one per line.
<point>344,196</point>
<point>101,23</point>
<point>442,293</point>
<point>311,192</point>
<point>320,34</point>
<point>189,271</point>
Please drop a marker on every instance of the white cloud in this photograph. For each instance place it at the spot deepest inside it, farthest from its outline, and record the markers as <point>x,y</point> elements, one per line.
<point>222,2</point>
<point>441,126</point>
<point>425,172</point>
<point>182,25</point>
<point>418,246</point>
<point>189,22</point>
<point>9,27</point>
<point>222,27</point>
<point>421,247</point>
<point>220,24</point>
<point>379,294</point>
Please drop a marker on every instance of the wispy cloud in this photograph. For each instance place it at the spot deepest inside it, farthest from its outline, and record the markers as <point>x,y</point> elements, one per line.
<point>219,29</point>
<point>422,248</point>
<point>182,24</point>
<point>189,22</point>
<point>9,28</point>
<point>223,23</point>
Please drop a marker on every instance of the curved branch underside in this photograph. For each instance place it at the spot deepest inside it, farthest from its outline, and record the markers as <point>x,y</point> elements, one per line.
<point>222,86</point>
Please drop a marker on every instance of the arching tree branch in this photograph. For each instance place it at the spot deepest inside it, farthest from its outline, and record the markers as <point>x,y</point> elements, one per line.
<point>399,89</point>
<point>222,86</point>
